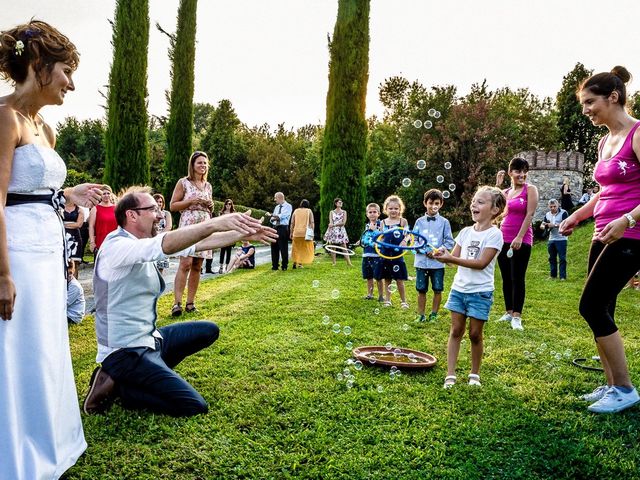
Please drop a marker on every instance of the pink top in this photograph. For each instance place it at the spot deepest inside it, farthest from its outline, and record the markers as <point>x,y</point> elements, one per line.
<point>619,179</point>
<point>516,211</point>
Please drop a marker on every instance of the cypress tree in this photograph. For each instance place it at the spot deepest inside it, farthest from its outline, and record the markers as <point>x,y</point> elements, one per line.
<point>179,128</point>
<point>126,137</point>
<point>344,145</point>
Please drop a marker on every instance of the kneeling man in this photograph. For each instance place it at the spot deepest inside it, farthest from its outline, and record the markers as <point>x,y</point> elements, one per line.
<point>138,358</point>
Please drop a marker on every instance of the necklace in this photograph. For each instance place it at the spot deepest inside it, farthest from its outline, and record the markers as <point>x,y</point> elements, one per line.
<point>32,122</point>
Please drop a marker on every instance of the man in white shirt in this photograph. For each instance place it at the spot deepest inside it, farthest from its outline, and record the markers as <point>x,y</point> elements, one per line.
<point>280,220</point>
<point>138,358</point>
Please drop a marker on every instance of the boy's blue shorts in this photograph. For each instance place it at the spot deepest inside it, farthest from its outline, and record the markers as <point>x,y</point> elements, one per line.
<point>437,279</point>
<point>475,305</point>
<point>372,268</point>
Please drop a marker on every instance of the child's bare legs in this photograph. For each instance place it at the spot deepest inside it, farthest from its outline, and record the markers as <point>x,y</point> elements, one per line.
<point>370,287</point>
<point>475,335</point>
<point>380,285</point>
<point>422,301</point>
<point>387,293</point>
<point>333,258</point>
<point>401,291</point>
<point>458,321</point>
<point>435,305</point>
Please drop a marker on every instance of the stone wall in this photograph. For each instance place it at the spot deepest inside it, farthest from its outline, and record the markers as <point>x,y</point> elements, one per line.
<point>546,171</point>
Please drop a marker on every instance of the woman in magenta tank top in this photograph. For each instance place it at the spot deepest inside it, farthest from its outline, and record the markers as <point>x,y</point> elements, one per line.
<point>615,250</point>
<point>513,260</point>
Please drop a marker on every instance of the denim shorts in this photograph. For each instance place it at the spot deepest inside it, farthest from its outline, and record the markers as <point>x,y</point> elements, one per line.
<point>372,268</point>
<point>437,279</point>
<point>475,305</point>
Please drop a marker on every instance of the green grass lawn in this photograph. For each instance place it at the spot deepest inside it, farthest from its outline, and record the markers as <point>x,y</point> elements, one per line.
<point>278,411</point>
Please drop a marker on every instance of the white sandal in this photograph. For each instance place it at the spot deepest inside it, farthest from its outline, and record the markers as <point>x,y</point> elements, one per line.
<point>474,379</point>
<point>405,305</point>
<point>449,381</point>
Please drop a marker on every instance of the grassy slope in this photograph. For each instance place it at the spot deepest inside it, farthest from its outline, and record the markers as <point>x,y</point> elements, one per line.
<point>277,410</point>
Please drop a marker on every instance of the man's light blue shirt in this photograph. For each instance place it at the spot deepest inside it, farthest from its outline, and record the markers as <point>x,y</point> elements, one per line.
<point>438,233</point>
<point>284,213</point>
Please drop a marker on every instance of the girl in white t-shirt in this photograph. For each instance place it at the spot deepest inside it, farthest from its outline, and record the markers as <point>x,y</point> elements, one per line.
<point>471,294</point>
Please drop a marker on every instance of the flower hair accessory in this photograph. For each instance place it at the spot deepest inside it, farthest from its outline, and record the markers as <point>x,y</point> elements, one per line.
<point>19,47</point>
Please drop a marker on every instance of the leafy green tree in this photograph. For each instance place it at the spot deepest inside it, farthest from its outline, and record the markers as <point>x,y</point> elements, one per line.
<point>633,102</point>
<point>223,145</point>
<point>179,128</point>
<point>126,141</point>
<point>345,135</point>
<point>575,130</point>
<point>81,144</point>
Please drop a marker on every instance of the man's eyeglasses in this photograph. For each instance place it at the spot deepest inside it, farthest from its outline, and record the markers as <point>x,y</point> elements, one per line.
<point>154,208</point>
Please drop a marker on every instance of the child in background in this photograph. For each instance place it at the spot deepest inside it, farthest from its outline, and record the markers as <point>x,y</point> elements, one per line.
<point>437,230</point>
<point>394,269</point>
<point>371,261</point>
<point>557,243</point>
<point>75,296</point>
<point>475,252</point>
<point>245,257</point>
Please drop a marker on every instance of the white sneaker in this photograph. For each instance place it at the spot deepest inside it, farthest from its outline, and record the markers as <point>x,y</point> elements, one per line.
<point>596,395</point>
<point>516,323</point>
<point>615,400</point>
<point>505,318</point>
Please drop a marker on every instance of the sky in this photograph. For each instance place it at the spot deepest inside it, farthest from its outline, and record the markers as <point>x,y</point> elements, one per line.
<point>270,57</point>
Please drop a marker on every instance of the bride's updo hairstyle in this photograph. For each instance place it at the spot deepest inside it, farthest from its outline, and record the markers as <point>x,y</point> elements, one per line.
<point>606,83</point>
<point>37,44</point>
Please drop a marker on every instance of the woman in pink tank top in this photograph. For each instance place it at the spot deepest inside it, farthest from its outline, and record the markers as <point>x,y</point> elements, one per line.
<point>513,260</point>
<point>615,250</point>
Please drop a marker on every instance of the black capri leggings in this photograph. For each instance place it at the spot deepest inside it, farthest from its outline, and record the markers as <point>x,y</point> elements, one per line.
<point>513,271</point>
<point>225,251</point>
<point>610,268</point>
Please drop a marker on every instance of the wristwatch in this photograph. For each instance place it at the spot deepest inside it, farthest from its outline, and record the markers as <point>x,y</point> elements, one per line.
<point>630,219</point>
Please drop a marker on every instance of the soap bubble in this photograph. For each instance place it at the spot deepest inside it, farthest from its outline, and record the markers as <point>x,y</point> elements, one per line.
<point>349,361</point>
<point>406,182</point>
<point>376,311</point>
<point>348,345</point>
<point>396,268</point>
<point>315,283</point>
<point>428,124</point>
<point>452,186</point>
<point>346,330</point>
<point>388,346</point>
<point>349,383</point>
<point>431,112</point>
<point>437,114</point>
<point>417,123</point>
<point>392,288</point>
<point>325,319</point>
<point>396,352</point>
<point>346,372</point>
<point>510,253</point>
<point>446,194</point>
<point>372,360</point>
<point>397,373</point>
<point>335,328</point>
<point>439,179</point>
<point>447,165</point>
<point>336,349</point>
<point>357,365</point>
<point>380,389</point>
<point>405,327</point>
<point>421,164</point>
<point>394,368</point>
<point>339,377</point>
<point>392,374</point>
<point>335,293</point>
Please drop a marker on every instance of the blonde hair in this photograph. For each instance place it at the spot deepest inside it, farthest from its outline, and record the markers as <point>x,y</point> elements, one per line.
<point>373,205</point>
<point>393,198</point>
<point>498,199</point>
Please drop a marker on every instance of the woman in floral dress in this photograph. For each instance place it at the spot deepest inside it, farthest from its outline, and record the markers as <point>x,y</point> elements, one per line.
<point>192,197</point>
<point>336,234</point>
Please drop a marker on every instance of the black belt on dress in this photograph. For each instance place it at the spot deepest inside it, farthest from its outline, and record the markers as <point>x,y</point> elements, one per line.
<point>55,199</point>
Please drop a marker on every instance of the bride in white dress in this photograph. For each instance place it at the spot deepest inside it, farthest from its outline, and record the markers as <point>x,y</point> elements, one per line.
<point>41,432</point>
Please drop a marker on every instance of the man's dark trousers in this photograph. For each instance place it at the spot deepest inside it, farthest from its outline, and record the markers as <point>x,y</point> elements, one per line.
<point>280,248</point>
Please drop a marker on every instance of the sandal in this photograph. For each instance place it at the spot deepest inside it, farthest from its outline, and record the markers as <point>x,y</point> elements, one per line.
<point>368,297</point>
<point>449,381</point>
<point>190,309</point>
<point>387,304</point>
<point>176,310</point>
<point>404,305</point>
<point>474,379</point>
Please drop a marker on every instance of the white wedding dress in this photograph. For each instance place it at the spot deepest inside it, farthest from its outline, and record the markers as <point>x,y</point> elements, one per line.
<point>41,432</point>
